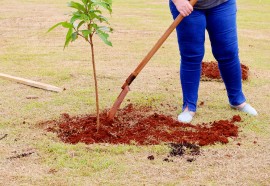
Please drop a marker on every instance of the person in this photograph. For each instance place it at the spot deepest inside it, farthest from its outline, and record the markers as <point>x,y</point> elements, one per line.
<point>218,17</point>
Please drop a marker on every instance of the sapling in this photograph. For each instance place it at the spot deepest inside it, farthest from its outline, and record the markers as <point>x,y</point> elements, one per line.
<point>87,21</point>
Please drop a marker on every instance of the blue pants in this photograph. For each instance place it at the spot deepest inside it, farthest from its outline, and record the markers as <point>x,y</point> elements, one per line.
<point>220,22</point>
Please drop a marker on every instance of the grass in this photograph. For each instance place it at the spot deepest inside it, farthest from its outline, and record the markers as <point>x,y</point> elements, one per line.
<point>26,51</point>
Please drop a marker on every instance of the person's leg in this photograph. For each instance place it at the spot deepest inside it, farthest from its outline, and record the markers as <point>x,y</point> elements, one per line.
<point>222,29</point>
<point>191,37</point>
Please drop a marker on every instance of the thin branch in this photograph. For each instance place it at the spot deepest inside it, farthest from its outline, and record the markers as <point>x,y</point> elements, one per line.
<point>21,155</point>
<point>84,37</point>
<point>81,35</point>
<point>3,136</point>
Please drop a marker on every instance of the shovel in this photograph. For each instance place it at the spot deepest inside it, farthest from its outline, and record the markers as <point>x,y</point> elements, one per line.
<point>133,75</point>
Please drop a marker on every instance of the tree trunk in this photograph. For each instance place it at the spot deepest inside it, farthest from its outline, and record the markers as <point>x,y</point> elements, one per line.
<point>96,84</point>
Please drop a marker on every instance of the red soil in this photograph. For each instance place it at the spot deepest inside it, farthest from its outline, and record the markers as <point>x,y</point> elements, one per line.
<point>143,127</point>
<point>210,70</point>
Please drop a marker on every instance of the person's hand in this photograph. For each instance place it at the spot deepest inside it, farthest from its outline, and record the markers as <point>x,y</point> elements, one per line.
<point>183,6</point>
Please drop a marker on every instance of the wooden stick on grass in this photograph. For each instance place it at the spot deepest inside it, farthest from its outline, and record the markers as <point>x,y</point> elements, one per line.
<point>31,83</point>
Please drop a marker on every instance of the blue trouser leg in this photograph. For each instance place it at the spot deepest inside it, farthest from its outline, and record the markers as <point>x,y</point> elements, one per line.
<point>222,29</point>
<point>221,25</point>
<point>191,38</point>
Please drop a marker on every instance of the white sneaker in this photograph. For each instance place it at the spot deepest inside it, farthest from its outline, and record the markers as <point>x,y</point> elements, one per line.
<point>247,109</point>
<point>185,117</point>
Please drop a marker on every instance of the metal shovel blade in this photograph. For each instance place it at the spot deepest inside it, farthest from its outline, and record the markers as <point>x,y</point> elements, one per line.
<point>118,102</point>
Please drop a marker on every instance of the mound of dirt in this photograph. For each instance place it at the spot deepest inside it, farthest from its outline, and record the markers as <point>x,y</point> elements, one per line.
<point>188,150</point>
<point>179,149</point>
<point>210,71</point>
<point>139,125</point>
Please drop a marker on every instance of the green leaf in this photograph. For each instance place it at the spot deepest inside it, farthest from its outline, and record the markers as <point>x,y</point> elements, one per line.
<point>69,33</point>
<point>80,24</point>
<point>85,2</point>
<point>54,26</point>
<point>104,37</point>
<point>79,16</point>
<point>108,1</point>
<point>85,17</point>
<point>68,37</point>
<point>105,5</point>
<point>93,27</point>
<point>74,36</point>
<point>86,33</point>
<point>92,15</point>
<point>67,25</point>
<point>96,11</point>
<point>74,18</point>
<point>77,6</point>
<point>105,29</point>
<point>64,24</point>
<point>103,19</point>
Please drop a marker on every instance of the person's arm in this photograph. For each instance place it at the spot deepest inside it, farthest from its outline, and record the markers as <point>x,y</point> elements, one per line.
<point>183,6</point>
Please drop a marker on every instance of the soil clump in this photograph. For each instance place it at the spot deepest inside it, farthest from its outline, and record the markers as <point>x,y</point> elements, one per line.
<point>210,71</point>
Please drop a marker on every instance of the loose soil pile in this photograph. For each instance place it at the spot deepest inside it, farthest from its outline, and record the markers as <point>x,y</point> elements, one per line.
<point>183,149</point>
<point>179,149</point>
<point>141,126</point>
<point>210,71</point>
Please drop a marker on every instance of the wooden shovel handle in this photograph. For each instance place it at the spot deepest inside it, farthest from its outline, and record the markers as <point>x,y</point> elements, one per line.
<point>152,52</point>
<point>132,76</point>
